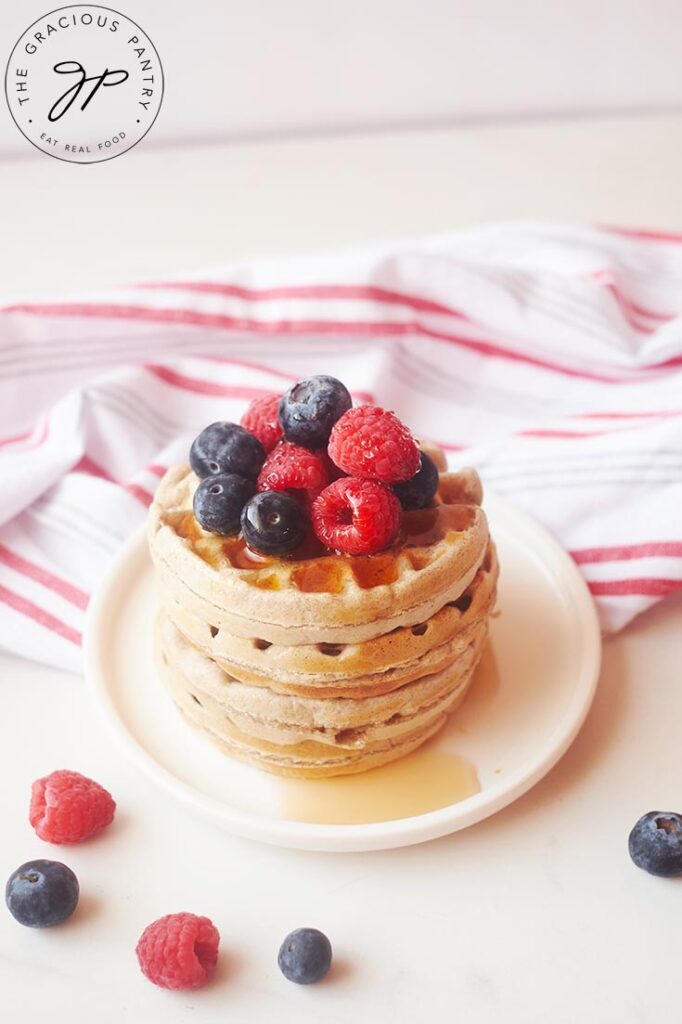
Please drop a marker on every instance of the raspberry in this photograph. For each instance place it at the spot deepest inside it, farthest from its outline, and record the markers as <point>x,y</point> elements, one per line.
<point>291,467</point>
<point>356,516</point>
<point>178,951</point>
<point>262,420</point>
<point>370,442</point>
<point>67,807</point>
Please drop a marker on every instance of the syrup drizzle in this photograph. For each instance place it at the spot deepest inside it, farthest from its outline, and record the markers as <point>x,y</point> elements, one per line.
<point>314,568</point>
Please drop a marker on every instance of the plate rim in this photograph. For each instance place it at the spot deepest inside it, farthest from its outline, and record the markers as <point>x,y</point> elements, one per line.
<point>373,835</point>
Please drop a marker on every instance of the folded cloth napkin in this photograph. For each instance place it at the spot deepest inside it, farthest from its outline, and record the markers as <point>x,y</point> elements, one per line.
<point>548,357</point>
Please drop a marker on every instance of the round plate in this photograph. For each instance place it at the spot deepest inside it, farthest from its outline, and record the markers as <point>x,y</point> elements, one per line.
<point>528,700</point>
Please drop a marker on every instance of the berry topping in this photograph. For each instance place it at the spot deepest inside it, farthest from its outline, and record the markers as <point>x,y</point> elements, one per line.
<point>261,420</point>
<point>178,951</point>
<point>356,516</point>
<point>219,500</point>
<point>273,523</point>
<point>226,448</point>
<point>333,471</point>
<point>305,956</point>
<point>311,407</point>
<point>291,467</point>
<point>370,442</point>
<point>420,490</point>
<point>41,893</point>
<point>67,807</point>
<point>655,843</point>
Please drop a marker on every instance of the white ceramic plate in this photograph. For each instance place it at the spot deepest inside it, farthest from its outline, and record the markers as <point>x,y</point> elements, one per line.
<point>529,699</point>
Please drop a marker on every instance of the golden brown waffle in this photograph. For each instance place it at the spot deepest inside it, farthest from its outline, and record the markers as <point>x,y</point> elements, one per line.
<point>324,598</point>
<point>343,721</point>
<point>301,736</point>
<point>354,670</point>
<point>323,664</point>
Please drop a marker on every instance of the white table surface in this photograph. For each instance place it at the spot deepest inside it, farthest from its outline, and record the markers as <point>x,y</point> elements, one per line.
<point>535,915</point>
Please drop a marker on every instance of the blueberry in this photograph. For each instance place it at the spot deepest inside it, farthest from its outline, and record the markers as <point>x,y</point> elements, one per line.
<point>655,843</point>
<point>219,500</point>
<point>419,491</point>
<point>273,523</point>
<point>226,448</point>
<point>305,956</point>
<point>310,408</point>
<point>41,893</point>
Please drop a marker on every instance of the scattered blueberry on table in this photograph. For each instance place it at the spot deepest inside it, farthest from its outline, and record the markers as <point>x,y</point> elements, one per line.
<point>42,893</point>
<point>655,843</point>
<point>305,956</point>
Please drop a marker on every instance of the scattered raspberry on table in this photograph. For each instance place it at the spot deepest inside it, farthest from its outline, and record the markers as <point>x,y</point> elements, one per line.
<point>67,807</point>
<point>179,951</point>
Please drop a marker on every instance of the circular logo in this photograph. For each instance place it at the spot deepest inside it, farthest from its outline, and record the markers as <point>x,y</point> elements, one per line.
<point>84,83</point>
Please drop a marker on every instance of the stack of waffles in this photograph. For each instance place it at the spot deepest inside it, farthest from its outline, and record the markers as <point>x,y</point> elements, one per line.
<point>322,664</point>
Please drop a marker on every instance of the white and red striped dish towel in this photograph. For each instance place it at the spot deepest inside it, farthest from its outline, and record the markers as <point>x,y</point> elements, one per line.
<point>549,357</point>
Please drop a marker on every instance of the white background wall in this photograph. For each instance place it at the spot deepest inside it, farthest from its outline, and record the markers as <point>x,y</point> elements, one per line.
<point>244,68</point>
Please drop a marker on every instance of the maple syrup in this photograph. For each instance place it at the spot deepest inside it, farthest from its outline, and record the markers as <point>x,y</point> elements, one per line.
<point>426,780</point>
<point>269,582</point>
<point>315,569</point>
<point>374,570</point>
<point>322,575</point>
<point>423,781</point>
<point>426,526</point>
<point>241,556</point>
<point>184,524</point>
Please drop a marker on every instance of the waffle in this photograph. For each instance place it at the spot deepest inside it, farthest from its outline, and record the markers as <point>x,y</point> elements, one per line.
<point>324,598</point>
<point>361,669</point>
<point>304,736</point>
<point>322,664</point>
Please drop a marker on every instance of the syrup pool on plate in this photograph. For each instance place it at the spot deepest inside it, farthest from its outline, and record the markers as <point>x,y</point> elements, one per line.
<point>424,781</point>
<point>432,777</point>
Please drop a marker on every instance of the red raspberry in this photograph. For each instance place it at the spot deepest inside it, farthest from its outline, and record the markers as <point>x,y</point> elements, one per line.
<point>67,807</point>
<point>261,419</point>
<point>370,442</point>
<point>178,951</point>
<point>291,467</point>
<point>356,516</point>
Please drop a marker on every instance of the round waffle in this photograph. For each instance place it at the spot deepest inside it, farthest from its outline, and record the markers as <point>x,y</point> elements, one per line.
<point>355,670</point>
<point>309,737</point>
<point>346,722</point>
<point>324,598</point>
